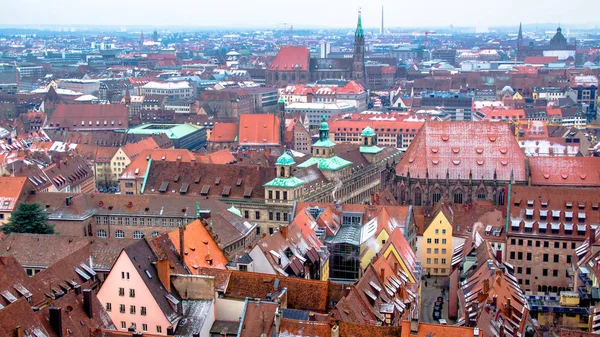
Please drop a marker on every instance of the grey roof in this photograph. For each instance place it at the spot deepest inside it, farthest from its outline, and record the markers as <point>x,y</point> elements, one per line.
<point>347,234</point>
<point>299,315</point>
<point>194,317</point>
<point>142,257</point>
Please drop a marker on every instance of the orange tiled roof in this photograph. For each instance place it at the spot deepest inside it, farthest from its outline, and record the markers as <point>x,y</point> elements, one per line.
<point>12,188</point>
<point>201,250</point>
<point>132,150</point>
<point>140,163</point>
<point>259,129</point>
<point>224,133</point>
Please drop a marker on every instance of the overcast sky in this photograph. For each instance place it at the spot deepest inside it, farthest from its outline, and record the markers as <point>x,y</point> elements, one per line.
<point>306,13</point>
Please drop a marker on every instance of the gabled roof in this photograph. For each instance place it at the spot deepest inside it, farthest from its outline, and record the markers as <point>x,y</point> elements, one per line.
<point>459,150</point>
<point>40,250</point>
<point>138,166</point>
<point>89,117</point>
<point>143,259</point>
<point>291,59</point>
<point>132,150</point>
<point>11,190</point>
<point>201,250</point>
<point>21,314</point>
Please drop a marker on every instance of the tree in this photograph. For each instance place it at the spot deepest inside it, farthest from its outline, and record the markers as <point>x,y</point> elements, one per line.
<point>28,218</point>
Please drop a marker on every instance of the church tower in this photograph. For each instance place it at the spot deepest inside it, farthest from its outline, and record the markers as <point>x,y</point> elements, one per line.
<point>358,60</point>
<point>520,36</point>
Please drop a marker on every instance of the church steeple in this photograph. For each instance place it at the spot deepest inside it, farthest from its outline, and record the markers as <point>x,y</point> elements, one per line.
<point>358,62</point>
<point>520,35</point>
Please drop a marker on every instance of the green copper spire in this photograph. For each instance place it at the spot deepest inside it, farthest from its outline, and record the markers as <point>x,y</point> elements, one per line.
<point>359,28</point>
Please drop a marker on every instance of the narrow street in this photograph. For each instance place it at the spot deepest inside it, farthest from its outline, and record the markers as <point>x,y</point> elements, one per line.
<point>431,289</point>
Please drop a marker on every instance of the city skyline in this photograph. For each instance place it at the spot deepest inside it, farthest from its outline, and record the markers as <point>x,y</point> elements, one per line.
<point>310,14</point>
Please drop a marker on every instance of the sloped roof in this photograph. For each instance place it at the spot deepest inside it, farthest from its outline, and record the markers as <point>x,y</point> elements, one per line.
<point>259,129</point>
<point>200,247</point>
<point>224,133</point>
<point>40,250</point>
<point>12,188</point>
<point>291,59</point>
<point>462,149</point>
<point>565,171</point>
<point>93,117</point>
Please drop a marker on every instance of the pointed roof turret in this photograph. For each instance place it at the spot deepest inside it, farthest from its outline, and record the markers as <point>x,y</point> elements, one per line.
<point>520,35</point>
<point>359,27</point>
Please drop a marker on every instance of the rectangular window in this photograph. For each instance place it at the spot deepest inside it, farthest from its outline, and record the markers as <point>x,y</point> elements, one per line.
<point>443,250</point>
<point>428,260</point>
<point>443,241</point>
<point>520,256</point>
<point>257,215</point>
<point>545,258</point>
<point>428,240</point>
<point>278,216</point>
<point>108,307</point>
<point>529,256</point>
<point>428,250</point>
<point>158,329</point>
<point>144,327</point>
<point>436,241</point>
<point>545,272</point>
<point>271,216</point>
<point>546,244</point>
<point>171,222</point>
<point>512,255</point>
<point>519,270</point>
<point>123,325</point>
<point>529,243</point>
<point>555,273</point>
<point>126,221</point>
<point>131,292</point>
<point>557,245</point>
<point>556,258</point>
<point>528,271</point>
<point>134,221</point>
<point>537,243</point>
<point>435,261</point>
<point>164,222</point>
<point>436,251</point>
<point>443,261</point>
<point>143,311</point>
<point>121,291</point>
<point>105,220</point>
<point>122,308</point>
<point>437,231</point>
<point>120,220</point>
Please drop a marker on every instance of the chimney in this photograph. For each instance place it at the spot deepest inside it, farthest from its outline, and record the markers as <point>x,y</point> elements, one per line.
<point>414,326</point>
<point>284,231</point>
<point>69,200</point>
<point>170,331</point>
<point>88,303</point>
<point>508,308</point>
<point>499,255</point>
<point>486,286</point>
<point>77,289</point>
<point>347,291</point>
<point>277,321</point>
<point>56,320</point>
<point>335,330</point>
<point>395,267</point>
<point>19,331</point>
<point>164,273</point>
<point>311,317</point>
<point>592,236</point>
<point>382,274</point>
<point>181,242</point>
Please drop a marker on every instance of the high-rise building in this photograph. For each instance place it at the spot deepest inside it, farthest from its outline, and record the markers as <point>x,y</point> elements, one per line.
<point>324,49</point>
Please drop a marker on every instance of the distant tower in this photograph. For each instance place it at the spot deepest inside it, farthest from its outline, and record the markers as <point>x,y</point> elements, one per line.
<point>520,36</point>
<point>142,38</point>
<point>281,111</point>
<point>358,59</point>
<point>382,30</point>
<point>155,35</point>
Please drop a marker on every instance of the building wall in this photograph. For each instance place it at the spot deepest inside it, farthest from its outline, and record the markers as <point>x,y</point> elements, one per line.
<point>229,309</point>
<point>109,293</point>
<point>261,264</point>
<point>371,247</point>
<point>527,254</point>
<point>438,232</point>
<point>118,163</point>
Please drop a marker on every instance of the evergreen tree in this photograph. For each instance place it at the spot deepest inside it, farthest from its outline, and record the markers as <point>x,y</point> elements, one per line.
<point>28,218</point>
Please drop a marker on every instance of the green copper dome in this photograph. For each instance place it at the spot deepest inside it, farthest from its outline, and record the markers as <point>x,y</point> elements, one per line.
<point>285,159</point>
<point>324,126</point>
<point>281,100</point>
<point>367,132</point>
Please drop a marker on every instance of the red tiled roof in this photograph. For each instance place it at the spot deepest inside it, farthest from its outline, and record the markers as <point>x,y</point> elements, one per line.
<point>140,163</point>
<point>224,133</point>
<point>535,60</point>
<point>291,59</point>
<point>481,150</point>
<point>93,117</point>
<point>132,150</point>
<point>565,171</point>
<point>259,129</point>
<point>11,189</point>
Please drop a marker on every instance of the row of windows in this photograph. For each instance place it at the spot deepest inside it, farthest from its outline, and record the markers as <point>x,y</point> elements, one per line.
<point>144,327</point>
<point>105,220</point>
<point>437,231</point>
<point>529,243</point>
<point>435,270</point>
<point>435,261</point>
<point>436,251</point>
<point>436,241</point>
<point>119,234</point>
<point>132,309</point>
<point>122,290</point>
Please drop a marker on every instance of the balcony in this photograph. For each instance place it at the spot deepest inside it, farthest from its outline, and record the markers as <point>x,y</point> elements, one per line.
<point>583,292</point>
<point>585,279</point>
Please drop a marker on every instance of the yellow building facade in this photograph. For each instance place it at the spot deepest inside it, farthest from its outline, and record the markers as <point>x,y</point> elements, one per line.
<point>437,246</point>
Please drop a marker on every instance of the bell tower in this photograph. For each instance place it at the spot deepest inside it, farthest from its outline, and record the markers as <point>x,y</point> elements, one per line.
<point>358,59</point>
